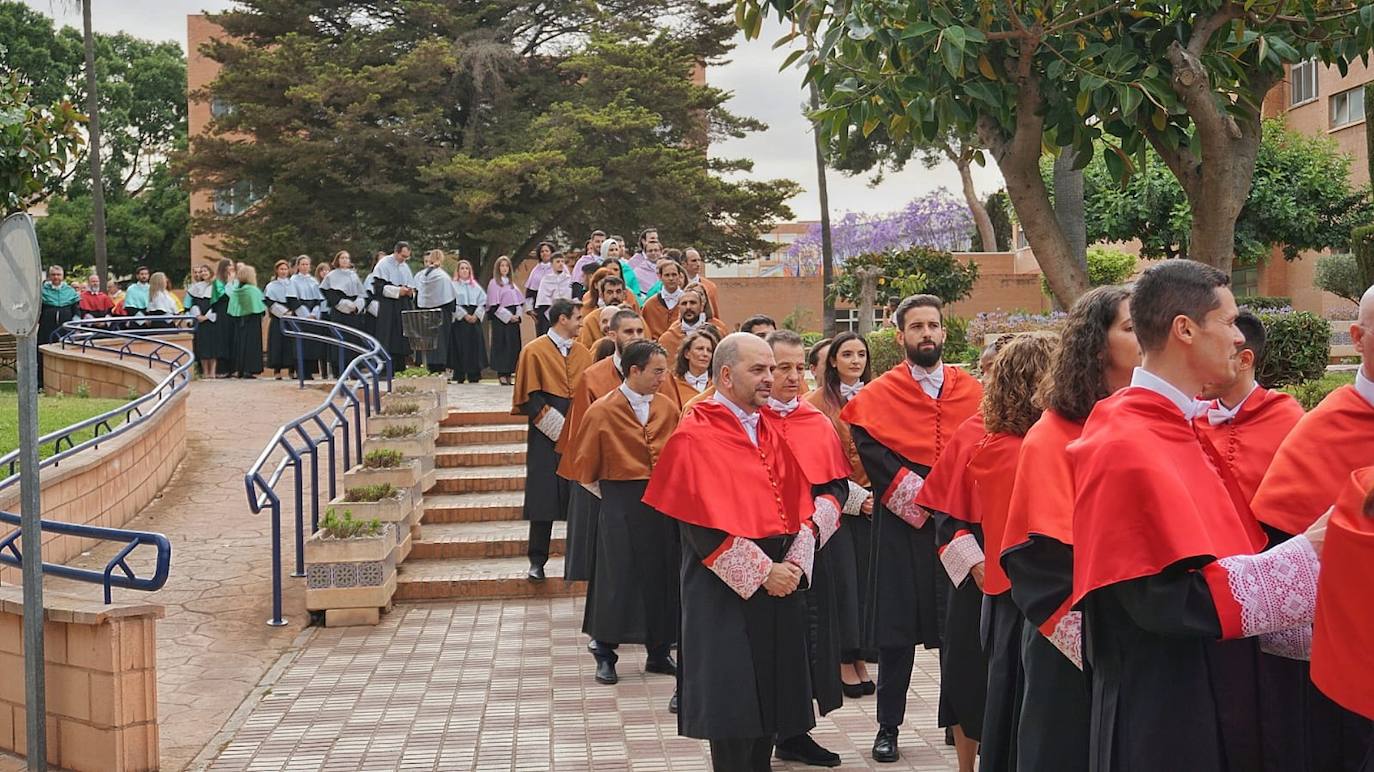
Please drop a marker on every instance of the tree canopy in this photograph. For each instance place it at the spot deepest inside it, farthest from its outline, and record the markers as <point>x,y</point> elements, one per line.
<point>34,140</point>
<point>1185,77</point>
<point>480,127</point>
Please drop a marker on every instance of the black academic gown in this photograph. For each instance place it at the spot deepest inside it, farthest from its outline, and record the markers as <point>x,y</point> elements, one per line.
<point>580,546</point>
<point>51,319</point>
<point>247,358</point>
<point>505,340</point>
<point>546,494</point>
<point>389,330</point>
<point>440,357</point>
<point>281,351</point>
<point>908,588</point>
<point>964,649</point>
<point>634,595</point>
<point>1053,730</point>
<point>469,347</point>
<point>311,350</point>
<point>336,355</point>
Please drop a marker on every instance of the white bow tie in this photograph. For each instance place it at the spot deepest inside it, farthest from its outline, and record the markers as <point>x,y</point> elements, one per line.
<point>783,408</point>
<point>847,391</point>
<point>697,382</point>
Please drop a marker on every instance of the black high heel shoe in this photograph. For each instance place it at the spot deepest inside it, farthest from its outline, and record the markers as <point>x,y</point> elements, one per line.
<point>869,687</point>
<point>853,691</point>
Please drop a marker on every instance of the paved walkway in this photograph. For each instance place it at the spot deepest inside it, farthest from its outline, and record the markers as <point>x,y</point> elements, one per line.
<point>507,686</point>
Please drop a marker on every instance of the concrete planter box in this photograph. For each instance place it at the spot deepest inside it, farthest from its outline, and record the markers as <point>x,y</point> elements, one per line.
<point>422,421</point>
<point>427,400</point>
<point>409,476</point>
<point>418,446</point>
<point>434,384</point>
<point>344,575</point>
<point>400,511</point>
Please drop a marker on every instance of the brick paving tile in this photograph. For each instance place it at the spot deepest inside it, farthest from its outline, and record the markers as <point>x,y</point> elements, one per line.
<point>507,685</point>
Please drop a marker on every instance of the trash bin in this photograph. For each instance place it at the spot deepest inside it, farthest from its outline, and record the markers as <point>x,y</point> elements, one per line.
<point>422,328</point>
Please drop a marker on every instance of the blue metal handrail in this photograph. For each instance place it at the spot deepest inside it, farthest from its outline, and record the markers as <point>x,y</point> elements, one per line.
<point>357,391</point>
<point>113,335</point>
<point>10,554</point>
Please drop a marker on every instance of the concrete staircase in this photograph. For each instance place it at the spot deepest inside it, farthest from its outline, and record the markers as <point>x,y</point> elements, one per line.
<point>473,538</point>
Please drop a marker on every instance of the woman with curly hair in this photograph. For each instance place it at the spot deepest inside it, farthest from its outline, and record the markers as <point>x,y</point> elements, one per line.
<point>1097,353</point>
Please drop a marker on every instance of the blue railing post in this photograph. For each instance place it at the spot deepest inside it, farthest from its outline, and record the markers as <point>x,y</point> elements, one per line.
<point>276,620</point>
<point>300,519</point>
<point>300,360</point>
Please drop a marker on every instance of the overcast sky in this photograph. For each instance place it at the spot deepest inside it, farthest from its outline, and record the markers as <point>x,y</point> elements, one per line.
<point>760,91</point>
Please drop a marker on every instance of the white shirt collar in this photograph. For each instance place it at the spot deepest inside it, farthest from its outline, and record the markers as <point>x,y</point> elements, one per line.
<point>639,403</point>
<point>615,360</point>
<point>563,344</point>
<point>1218,413</point>
<point>847,391</point>
<point>750,421</point>
<point>930,381</point>
<point>688,329</point>
<point>783,408</point>
<point>1364,386</point>
<point>670,299</point>
<point>1188,406</point>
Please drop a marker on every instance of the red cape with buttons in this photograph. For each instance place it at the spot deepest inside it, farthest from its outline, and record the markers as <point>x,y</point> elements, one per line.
<point>711,475</point>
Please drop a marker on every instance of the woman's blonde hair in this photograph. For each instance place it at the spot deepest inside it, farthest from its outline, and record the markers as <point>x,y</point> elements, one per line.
<point>1009,405</point>
<point>157,283</point>
<point>472,272</point>
<point>247,274</point>
<point>437,255</point>
<point>275,266</point>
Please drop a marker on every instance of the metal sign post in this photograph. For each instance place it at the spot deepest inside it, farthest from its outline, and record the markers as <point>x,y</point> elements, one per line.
<point>20,305</point>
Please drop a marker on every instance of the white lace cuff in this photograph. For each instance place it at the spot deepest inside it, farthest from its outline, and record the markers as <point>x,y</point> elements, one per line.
<point>826,518</point>
<point>1276,590</point>
<point>742,565</point>
<point>1068,637</point>
<point>391,291</point>
<point>550,423</point>
<point>901,498</point>
<point>1293,643</point>
<point>960,556</point>
<point>278,310</point>
<point>854,503</point>
<point>195,311</point>
<point>802,553</point>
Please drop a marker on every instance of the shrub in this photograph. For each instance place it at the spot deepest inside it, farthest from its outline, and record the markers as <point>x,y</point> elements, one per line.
<point>335,527</point>
<point>1259,303</point>
<point>1311,393</point>
<point>382,459</point>
<point>398,432</point>
<point>414,372</point>
<point>1340,275</point>
<point>907,271</point>
<point>1299,345</point>
<point>1106,266</point>
<point>810,339</point>
<point>400,408</point>
<point>371,493</point>
<point>1362,242</point>
<point>883,351</point>
<point>999,322</point>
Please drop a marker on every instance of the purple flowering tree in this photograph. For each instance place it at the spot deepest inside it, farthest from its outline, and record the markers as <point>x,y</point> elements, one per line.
<point>937,220</point>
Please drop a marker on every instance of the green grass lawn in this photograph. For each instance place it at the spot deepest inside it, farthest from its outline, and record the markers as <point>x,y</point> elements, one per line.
<point>53,414</point>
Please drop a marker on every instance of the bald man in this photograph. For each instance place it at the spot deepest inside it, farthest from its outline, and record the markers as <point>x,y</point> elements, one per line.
<point>1305,479</point>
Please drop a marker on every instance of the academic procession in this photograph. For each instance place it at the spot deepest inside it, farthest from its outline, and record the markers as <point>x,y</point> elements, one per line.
<point>1129,554</point>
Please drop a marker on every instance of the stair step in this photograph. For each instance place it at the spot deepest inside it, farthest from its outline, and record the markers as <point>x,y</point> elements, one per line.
<point>481,579</point>
<point>481,435</point>
<point>478,418</point>
<point>495,539</point>
<point>490,454</point>
<point>479,479</point>
<point>472,507</point>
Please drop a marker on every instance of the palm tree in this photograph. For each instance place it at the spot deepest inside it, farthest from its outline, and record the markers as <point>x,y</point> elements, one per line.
<point>827,253</point>
<point>93,130</point>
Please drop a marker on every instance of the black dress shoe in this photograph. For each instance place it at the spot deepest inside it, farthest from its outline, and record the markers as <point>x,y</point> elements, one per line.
<point>885,745</point>
<point>869,687</point>
<point>663,665</point>
<point>852,691</point>
<point>806,750</point>
<point>536,574</point>
<point>605,672</point>
<point>672,704</point>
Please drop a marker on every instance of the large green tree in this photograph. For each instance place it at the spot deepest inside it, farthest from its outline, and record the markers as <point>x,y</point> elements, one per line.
<point>34,140</point>
<point>1185,77</point>
<point>482,127</point>
<point>1300,200</point>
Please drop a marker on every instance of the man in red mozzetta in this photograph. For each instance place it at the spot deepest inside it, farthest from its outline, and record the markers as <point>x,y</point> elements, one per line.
<point>902,422</point>
<point>813,440</point>
<point>1311,466</point>
<point>1165,565</point>
<point>746,551</point>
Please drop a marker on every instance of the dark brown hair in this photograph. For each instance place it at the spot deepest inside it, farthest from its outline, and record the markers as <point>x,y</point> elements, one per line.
<point>681,366</point>
<point>831,378</point>
<point>1008,405</point>
<point>1169,290</point>
<point>918,301</point>
<point>1077,377</point>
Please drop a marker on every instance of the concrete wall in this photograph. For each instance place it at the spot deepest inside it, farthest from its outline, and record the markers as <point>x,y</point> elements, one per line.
<point>101,679</point>
<point>109,484</point>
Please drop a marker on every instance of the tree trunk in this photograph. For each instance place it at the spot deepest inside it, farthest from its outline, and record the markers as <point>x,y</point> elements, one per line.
<point>986,234</point>
<point>93,127</point>
<point>827,248</point>
<point>1068,205</point>
<point>868,292</point>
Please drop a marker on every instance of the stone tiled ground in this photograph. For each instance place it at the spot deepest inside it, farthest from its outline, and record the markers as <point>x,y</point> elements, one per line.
<point>505,686</point>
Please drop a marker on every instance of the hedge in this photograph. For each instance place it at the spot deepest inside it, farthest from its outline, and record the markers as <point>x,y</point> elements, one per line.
<point>1299,346</point>
<point>1311,393</point>
<point>1259,303</point>
<point>884,352</point>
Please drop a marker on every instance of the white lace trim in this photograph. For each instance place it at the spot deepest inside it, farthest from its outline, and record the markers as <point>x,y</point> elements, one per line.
<point>902,501</point>
<point>1276,590</point>
<point>551,424</point>
<point>854,503</point>
<point>1068,637</point>
<point>827,518</point>
<point>960,556</point>
<point>1293,643</point>
<point>743,566</point>
<point>802,553</point>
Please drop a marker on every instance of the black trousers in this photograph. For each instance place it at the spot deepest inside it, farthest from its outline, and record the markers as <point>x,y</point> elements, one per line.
<point>894,678</point>
<point>750,754</point>
<point>541,534</point>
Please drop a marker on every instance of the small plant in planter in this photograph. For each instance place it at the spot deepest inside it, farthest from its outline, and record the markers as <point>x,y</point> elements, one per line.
<point>371,493</point>
<point>400,432</point>
<point>404,389</point>
<point>350,568</point>
<point>335,527</point>
<point>422,381</point>
<point>383,458</point>
<point>400,408</point>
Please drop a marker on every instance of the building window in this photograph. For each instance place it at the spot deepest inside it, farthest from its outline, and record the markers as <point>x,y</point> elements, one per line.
<point>1245,281</point>
<point>1347,107</point>
<point>221,107</point>
<point>1303,80</point>
<point>235,199</point>
<point>848,319</point>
